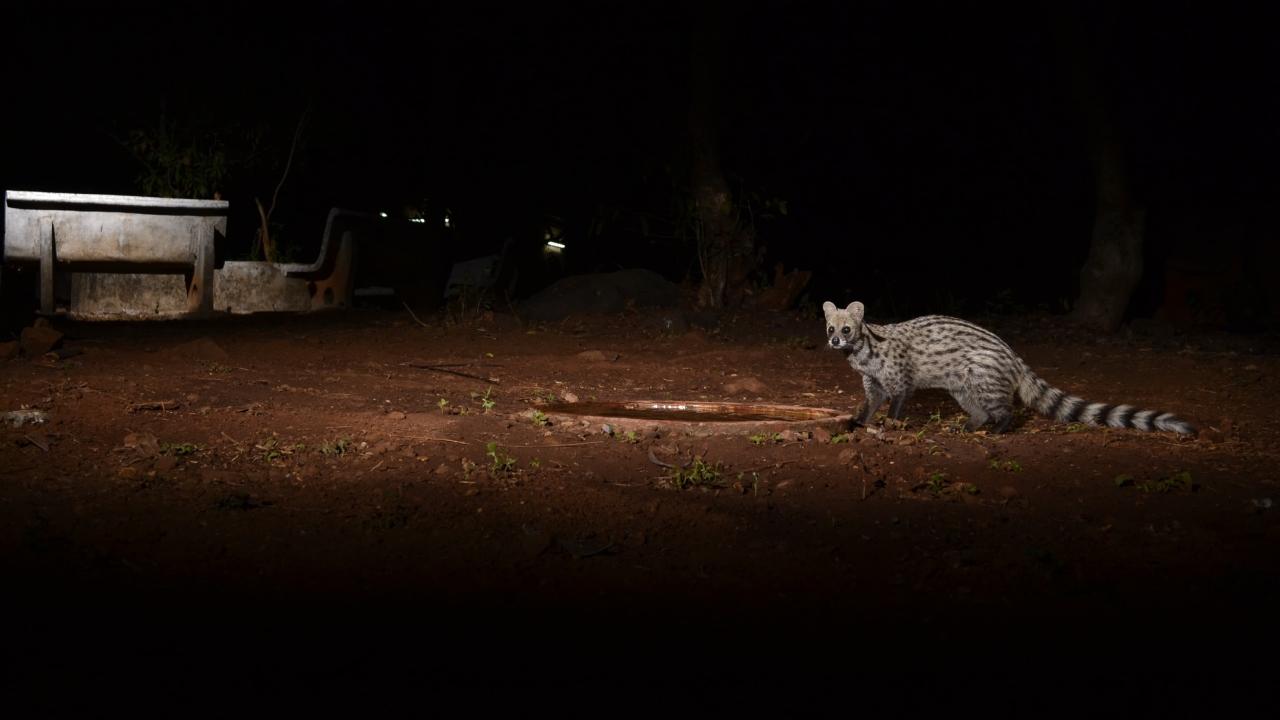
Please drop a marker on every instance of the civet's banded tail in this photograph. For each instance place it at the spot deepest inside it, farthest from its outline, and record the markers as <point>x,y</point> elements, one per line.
<point>1058,405</point>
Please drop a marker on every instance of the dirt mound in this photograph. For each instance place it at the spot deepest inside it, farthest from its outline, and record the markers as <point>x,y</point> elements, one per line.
<point>601,294</point>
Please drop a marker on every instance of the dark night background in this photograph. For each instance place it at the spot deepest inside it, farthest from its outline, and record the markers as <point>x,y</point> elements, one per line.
<point>930,155</point>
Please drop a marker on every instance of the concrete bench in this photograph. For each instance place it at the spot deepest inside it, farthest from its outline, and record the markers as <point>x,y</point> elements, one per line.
<point>115,234</point>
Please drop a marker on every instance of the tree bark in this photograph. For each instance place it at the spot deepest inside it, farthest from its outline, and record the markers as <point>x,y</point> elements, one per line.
<point>726,246</point>
<point>1114,265</point>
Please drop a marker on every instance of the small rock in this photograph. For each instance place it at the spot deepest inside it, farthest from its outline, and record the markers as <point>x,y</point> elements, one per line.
<point>569,397</point>
<point>442,469</point>
<point>165,463</point>
<point>848,456</point>
<point>9,350</point>
<point>597,356</point>
<point>18,418</point>
<point>127,473</point>
<point>821,435</point>
<point>145,444</point>
<point>37,341</point>
<point>40,440</point>
<point>396,415</point>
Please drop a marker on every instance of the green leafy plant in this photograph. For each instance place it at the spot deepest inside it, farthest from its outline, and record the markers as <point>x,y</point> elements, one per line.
<point>764,438</point>
<point>1181,480</point>
<point>271,449</point>
<point>502,463</point>
<point>540,418</point>
<point>1006,465</point>
<point>937,483</point>
<point>179,449</point>
<point>180,161</point>
<point>698,473</point>
<point>337,447</point>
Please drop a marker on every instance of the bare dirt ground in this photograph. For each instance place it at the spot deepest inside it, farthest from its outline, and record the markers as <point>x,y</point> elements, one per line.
<point>295,502</point>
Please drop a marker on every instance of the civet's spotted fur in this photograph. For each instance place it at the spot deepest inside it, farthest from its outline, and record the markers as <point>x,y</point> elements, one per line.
<point>979,370</point>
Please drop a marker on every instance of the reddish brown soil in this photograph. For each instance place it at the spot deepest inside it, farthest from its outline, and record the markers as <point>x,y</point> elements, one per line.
<point>295,506</point>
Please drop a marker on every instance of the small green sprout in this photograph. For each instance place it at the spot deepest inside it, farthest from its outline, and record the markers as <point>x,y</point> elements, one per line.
<point>698,473</point>
<point>179,449</point>
<point>502,462</point>
<point>337,447</point>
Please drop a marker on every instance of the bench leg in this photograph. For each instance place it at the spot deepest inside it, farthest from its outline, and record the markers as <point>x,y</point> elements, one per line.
<point>46,268</point>
<point>200,291</point>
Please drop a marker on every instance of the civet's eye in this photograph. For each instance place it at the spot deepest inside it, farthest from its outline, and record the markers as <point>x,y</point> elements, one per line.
<point>830,329</point>
<point>846,330</point>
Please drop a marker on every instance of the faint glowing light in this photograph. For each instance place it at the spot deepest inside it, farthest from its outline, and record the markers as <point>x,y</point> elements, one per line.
<point>554,244</point>
<point>417,220</point>
<point>382,214</point>
<point>446,221</point>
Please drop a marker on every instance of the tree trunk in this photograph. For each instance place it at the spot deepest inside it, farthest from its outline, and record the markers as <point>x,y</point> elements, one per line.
<point>726,247</point>
<point>1114,265</point>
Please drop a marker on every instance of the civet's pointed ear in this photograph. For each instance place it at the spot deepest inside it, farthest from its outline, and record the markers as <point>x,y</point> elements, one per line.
<point>855,310</point>
<point>828,308</point>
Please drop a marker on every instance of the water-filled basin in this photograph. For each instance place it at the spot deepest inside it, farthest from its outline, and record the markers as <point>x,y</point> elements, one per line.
<point>700,417</point>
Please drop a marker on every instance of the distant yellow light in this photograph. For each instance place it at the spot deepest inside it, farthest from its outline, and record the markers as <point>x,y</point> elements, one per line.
<point>554,244</point>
